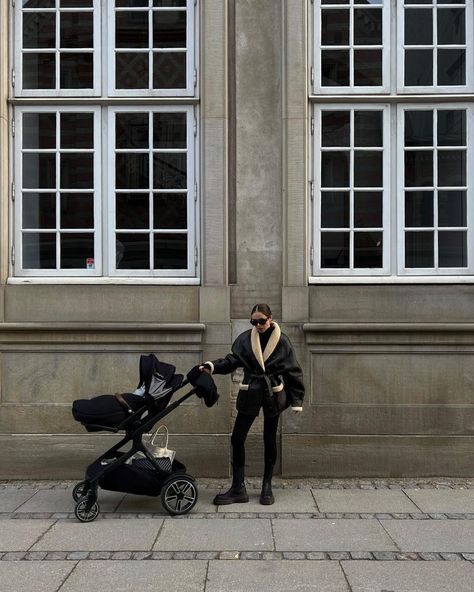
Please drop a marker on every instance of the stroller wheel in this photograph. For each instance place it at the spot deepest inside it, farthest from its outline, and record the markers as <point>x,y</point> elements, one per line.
<point>179,495</point>
<point>85,511</point>
<point>79,490</point>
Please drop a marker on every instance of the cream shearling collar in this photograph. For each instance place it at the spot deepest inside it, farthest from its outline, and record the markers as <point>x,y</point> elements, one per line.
<point>262,357</point>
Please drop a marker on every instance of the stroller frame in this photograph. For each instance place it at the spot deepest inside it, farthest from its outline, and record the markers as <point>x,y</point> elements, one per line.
<point>178,490</point>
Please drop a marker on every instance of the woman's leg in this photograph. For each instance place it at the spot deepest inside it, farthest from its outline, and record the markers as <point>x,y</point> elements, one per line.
<point>270,427</point>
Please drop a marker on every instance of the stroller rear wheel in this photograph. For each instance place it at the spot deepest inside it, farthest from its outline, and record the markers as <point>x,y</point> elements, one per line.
<point>179,495</point>
<point>86,510</point>
<point>79,490</point>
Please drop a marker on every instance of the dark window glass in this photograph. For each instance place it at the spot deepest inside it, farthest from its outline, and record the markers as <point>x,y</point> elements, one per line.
<point>77,171</point>
<point>451,168</point>
<point>76,249</point>
<point>419,26</point>
<point>452,210</point>
<point>451,26</point>
<point>76,70</point>
<point>39,171</point>
<point>334,1</point>
<point>131,3</point>
<point>39,70</point>
<point>77,130</point>
<point>39,210</point>
<point>334,250</point>
<point>76,3</point>
<point>451,127</point>
<point>132,250</point>
<point>171,251</point>
<point>368,209</point>
<point>132,171</point>
<point>131,70</point>
<point>335,27</point>
<point>368,250</point>
<point>131,29</point>
<point>368,67</point>
<point>419,209</point>
<point>39,130</point>
<point>335,128</point>
<point>169,28</point>
<point>419,168</point>
<point>169,69</point>
<point>451,67</point>
<point>368,128</point>
<point>77,210</point>
<point>335,67</point>
<point>368,168</point>
<point>169,3</point>
<point>38,3</point>
<point>418,67</point>
<point>132,130</point>
<point>335,169</point>
<point>335,209</point>
<point>367,26</point>
<point>419,249</point>
<point>76,29</point>
<point>39,250</point>
<point>170,210</point>
<point>169,130</point>
<point>132,210</point>
<point>39,30</point>
<point>452,249</point>
<point>169,171</point>
<point>419,128</point>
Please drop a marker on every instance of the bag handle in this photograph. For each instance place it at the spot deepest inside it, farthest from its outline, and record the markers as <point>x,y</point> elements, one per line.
<point>156,434</point>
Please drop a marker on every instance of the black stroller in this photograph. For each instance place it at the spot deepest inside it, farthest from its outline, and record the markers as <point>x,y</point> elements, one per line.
<point>136,414</point>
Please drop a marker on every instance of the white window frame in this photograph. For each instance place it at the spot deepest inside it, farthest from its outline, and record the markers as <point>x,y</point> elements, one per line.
<point>316,203</point>
<point>56,92</point>
<point>192,196</point>
<point>191,56</point>
<point>316,81</point>
<point>17,210</point>
<point>469,45</point>
<point>435,271</point>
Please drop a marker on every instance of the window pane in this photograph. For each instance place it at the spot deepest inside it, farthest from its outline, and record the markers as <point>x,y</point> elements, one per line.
<point>335,209</point>
<point>169,171</point>
<point>39,70</point>
<point>170,210</point>
<point>169,28</point>
<point>132,130</point>
<point>334,250</point>
<point>39,171</point>
<point>131,29</point>
<point>77,210</point>
<point>76,3</point>
<point>451,67</point>
<point>169,130</point>
<point>452,249</point>
<point>39,130</point>
<point>131,3</point>
<point>451,128</point>
<point>335,169</point>
<point>76,29</point>
<point>419,26</point>
<point>39,210</point>
<point>39,30</point>
<point>419,168</point>
<point>419,249</point>
<point>335,67</point>
<point>76,249</point>
<point>368,209</point>
<point>76,70</point>
<point>132,171</point>
<point>419,128</point>
<point>77,171</point>
<point>133,251</point>
<point>77,130</point>
<point>419,208</point>
<point>368,250</point>
<point>451,168</point>
<point>335,128</point>
<point>368,67</point>
<point>368,168</point>
<point>166,3</point>
<point>367,27</point>
<point>452,208</point>
<point>132,210</point>
<point>451,26</point>
<point>131,70</point>
<point>38,3</point>
<point>39,250</point>
<point>368,129</point>
<point>171,251</point>
<point>418,67</point>
<point>335,27</point>
<point>169,70</point>
<point>335,1</point>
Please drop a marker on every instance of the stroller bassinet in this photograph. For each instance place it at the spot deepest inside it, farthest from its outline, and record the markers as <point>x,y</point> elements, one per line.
<point>137,414</point>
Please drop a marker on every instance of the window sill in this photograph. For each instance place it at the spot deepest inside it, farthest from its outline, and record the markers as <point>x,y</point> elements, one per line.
<point>134,281</point>
<point>445,279</point>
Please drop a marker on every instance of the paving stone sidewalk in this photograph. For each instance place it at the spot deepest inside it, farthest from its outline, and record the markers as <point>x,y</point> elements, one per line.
<point>352,536</point>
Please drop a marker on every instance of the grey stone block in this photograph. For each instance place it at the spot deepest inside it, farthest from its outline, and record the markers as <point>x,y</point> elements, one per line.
<point>18,576</point>
<point>432,535</point>
<point>60,500</point>
<point>356,500</point>
<point>286,500</point>
<point>442,500</point>
<point>145,504</point>
<point>19,535</point>
<point>11,499</point>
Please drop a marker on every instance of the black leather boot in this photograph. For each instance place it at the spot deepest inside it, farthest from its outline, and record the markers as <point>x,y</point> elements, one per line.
<point>266,497</point>
<point>237,494</point>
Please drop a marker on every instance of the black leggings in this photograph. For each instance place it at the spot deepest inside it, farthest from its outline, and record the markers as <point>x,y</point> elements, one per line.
<point>239,435</point>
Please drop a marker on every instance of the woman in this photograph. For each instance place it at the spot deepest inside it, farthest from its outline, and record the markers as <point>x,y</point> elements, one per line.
<point>272,380</point>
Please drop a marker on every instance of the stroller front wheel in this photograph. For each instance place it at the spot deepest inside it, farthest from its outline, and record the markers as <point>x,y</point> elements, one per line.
<point>179,495</point>
<point>85,511</point>
<point>79,490</point>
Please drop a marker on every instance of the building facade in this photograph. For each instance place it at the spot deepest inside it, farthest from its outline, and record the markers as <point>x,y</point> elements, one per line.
<point>166,164</point>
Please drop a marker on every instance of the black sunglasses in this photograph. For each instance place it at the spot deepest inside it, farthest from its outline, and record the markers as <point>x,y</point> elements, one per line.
<point>256,322</point>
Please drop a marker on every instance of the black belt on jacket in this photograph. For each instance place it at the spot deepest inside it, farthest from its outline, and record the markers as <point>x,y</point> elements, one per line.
<point>267,381</point>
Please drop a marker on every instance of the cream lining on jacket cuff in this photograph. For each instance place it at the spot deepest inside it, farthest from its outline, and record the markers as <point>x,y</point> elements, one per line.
<point>297,408</point>
<point>210,364</point>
